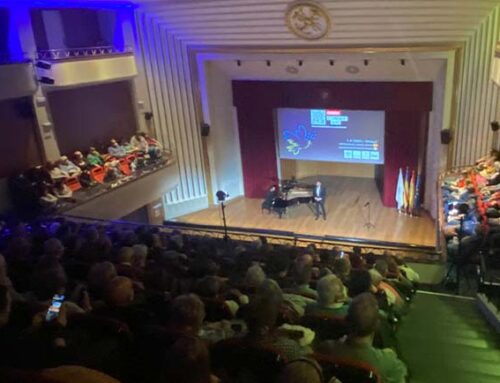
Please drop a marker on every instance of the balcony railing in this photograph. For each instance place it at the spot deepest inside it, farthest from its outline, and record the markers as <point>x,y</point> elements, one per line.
<point>75,53</point>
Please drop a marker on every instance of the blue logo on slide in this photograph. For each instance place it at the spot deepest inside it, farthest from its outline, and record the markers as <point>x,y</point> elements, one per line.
<point>298,139</point>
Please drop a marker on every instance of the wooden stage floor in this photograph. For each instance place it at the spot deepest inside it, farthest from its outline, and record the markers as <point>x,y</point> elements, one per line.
<point>345,216</point>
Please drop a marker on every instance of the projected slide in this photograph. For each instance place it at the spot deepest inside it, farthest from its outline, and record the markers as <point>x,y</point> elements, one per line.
<point>331,135</point>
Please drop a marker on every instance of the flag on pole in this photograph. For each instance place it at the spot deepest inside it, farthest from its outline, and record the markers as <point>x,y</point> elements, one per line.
<point>411,192</point>
<point>400,190</point>
<point>416,204</point>
<point>406,189</point>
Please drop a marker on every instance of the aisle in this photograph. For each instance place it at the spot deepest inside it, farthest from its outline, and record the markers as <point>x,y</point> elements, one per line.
<point>445,339</point>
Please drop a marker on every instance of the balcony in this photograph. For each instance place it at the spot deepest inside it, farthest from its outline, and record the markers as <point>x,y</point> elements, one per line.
<point>59,68</point>
<point>119,199</point>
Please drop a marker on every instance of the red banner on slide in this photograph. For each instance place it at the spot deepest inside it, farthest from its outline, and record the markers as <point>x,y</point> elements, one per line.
<point>333,112</point>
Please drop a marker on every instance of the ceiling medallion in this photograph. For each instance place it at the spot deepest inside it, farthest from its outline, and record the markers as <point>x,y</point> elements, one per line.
<point>307,20</point>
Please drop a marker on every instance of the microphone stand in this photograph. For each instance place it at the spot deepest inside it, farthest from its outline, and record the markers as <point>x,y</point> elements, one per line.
<point>223,207</point>
<point>368,224</point>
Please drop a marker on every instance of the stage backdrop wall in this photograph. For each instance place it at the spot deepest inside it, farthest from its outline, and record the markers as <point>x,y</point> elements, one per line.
<point>406,104</point>
<point>92,115</point>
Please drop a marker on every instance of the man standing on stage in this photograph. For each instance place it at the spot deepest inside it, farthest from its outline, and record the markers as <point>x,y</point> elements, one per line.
<point>319,195</point>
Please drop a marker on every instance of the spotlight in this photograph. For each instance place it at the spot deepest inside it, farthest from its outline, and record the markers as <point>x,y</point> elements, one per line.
<point>221,195</point>
<point>43,65</point>
<point>238,62</point>
<point>332,62</point>
<point>403,62</point>
<point>301,62</point>
<point>365,61</point>
<point>494,126</point>
<point>46,80</point>
<point>268,62</point>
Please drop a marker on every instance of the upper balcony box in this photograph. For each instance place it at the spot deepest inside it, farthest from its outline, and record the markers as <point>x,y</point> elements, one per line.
<point>80,46</point>
<point>84,66</point>
<point>16,78</point>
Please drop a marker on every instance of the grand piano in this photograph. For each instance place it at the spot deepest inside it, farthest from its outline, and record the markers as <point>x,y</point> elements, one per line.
<point>292,193</point>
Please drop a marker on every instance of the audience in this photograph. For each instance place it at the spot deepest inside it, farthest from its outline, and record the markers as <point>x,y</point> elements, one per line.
<point>147,306</point>
<point>363,319</point>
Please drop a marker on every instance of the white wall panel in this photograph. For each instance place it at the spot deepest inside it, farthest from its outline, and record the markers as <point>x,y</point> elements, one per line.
<point>166,64</point>
<point>478,102</point>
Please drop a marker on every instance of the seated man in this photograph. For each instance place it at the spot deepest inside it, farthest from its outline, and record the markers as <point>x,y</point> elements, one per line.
<point>363,318</point>
<point>302,275</point>
<point>271,195</point>
<point>116,150</point>
<point>83,165</point>
<point>69,167</point>
<point>331,298</point>
<point>139,142</point>
<point>155,148</point>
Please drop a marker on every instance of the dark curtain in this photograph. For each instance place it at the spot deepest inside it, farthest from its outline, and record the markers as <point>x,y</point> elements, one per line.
<point>19,148</point>
<point>91,116</point>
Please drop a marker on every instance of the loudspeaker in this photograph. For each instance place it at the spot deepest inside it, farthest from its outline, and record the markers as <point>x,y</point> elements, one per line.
<point>205,129</point>
<point>445,136</point>
<point>148,116</point>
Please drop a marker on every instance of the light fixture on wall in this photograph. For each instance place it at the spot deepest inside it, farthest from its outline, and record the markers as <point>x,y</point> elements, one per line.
<point>301,62</point>
<point>365,61</point>
<point>238,62</point>
<point>403,62</point>
<point>268,62</point>
<point>332,62</point>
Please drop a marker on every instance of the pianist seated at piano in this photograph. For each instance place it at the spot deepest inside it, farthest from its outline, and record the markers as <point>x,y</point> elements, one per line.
<point>271,196</point>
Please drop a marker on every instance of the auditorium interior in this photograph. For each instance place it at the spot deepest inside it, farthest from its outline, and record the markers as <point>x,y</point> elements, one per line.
<point>239,191</point>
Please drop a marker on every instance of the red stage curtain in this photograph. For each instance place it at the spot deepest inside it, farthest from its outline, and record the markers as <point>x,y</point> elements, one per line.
<point>406,104</point>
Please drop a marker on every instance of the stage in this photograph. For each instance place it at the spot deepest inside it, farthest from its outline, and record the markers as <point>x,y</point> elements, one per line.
<point>346,215</point>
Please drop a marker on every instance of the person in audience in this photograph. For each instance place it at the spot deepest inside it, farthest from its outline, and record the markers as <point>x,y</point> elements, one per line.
<point>302,370</point>
<point>187,361</point>
<point>94,158</point>
<point>302,275</point>
<point>363,318</point>
<point>140,143</point>
<point>75,374</point>
<point>63,192</point>
<point>56,173</point>
<point>48,201</point>
<point>155,148</point>
<point>342,268</point>
<point>262,317</point>
<point>69,167</point>
<point>53,251</point>
<point>116,150</point>
<point>99,276</point>
<point>187,315</point>
<point>332,298</point>
<point>253,278</point>
<point>124,265</point>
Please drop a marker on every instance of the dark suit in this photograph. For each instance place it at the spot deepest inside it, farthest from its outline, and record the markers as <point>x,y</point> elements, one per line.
<point>320,205</point>
<point>271,195</point>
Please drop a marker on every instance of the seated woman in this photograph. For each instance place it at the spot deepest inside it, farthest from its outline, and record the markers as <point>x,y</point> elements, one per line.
<point>139,142</point>
<point>56,173</point>
<point>85,177</point>
<point>69,167</point>
<point>331,298</point>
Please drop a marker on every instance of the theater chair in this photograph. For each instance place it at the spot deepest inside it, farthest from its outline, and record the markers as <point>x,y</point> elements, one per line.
<point>125,166</point>
<point>73,183</point>
<point>237,360</point>
<point>98,173</point>
<point>347,370</point>
<point>325,327</point>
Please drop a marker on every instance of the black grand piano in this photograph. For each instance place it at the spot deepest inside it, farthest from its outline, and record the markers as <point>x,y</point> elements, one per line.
<point>291,193</point>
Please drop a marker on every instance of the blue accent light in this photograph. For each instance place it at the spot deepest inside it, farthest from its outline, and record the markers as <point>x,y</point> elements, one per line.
<point>68,4</point>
